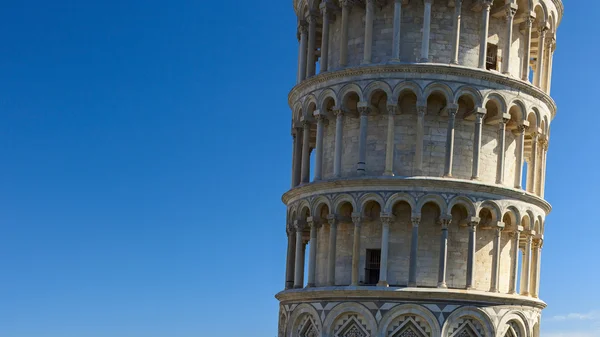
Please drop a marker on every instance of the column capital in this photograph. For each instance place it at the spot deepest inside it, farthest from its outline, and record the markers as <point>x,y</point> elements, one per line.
<point>302,27</point>
<point>421,110</point>
<point>338,111</point>
<point>511,10</point>
<point>446,221</point>
<point>473,221</point>
<point>305,122</point>
<point>392,109</point>
<point>319,116</point>
<point>299,225</point>
<point>312,17</point>
<point>347,3</point>
<point>386,219</point>
<point>522,127</point>
<point>312,223</point>
<point>332,219</point>
<point>529,21</point>
<point>486,4</point>
<point>364,108</point>
<point>416,220</point>
<point>290,230</point>
<point>356,218</point>
<point>480,112</point>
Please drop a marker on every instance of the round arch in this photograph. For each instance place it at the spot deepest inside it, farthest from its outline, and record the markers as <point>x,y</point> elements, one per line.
<point>409,309</point>
<point>469,312</point>
<point>348,308</point>
<point>296,318</point>
<point>398,197</point>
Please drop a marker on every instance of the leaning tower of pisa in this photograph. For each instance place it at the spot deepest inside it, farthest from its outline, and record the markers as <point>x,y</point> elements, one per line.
<point>420,132</point>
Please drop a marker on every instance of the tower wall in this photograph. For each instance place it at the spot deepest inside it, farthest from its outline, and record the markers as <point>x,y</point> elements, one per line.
<point>420,140</point>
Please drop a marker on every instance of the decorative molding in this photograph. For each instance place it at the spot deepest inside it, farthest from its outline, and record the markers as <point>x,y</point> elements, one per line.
<point>429,68</point>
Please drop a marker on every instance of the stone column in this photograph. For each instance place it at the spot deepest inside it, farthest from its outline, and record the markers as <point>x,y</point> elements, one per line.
<point>544,158</point>
<point>479,114</point>
<point>471,253</point>
<point>540,165</point>
<point>418,165</point>
<point>312,42</point>
<point>325,38</point>
<point>295,158</point>
<point>320,117</point>
<point>414,248</point>
<point>483,39</point>
<point>527,50</point>
<point>520,133</point>
<point>450,142</point>
<point>339,138</point>
<point>538,267</point>
<point>551,47</point>
<point>291,256</point>
<point>332,249</point>
<point>390,145</point>
<point>302,51</point>
<point>443,253</point>
<point>501,149</point>
<point>526,275</point>
<point>299,264</point>
<point>386,222</point>
<point>510,17</point>
<point>456,31</point>
<point>369,31</point>
<point>362,141</point>
<point>356,219</point>
<point>534,263</point>
<point>344,34</point>
<point>496,258</point>
<point>532,169</point>
<point>312,257</point>
<point>305,178</point>
<point>426,31</point>
<point>515,258</point>
<point>539,70</point>
<point>396,31</point>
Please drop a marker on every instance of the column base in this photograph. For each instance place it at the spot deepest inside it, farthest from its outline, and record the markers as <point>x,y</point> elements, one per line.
<point>310,285</point>
<point>447,175</point>
<point>365,63</point>
<point>394,61</point>
<point>383,284</point>
<point>454,62</point>
<point>298,287</point>
<point>289,285</point>
<point>442,285</point>
<point>424,60</point>
<point>412,284</point>
<point>475,178</point>
<point>389,174</point>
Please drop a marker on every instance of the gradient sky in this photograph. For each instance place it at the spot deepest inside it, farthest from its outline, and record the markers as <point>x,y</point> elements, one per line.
<point>145,146</point>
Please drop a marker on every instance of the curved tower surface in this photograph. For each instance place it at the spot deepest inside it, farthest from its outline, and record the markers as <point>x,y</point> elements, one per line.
<point>420,131</point>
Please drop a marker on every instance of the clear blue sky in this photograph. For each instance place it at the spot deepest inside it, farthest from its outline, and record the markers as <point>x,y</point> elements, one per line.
<point>145,146</point>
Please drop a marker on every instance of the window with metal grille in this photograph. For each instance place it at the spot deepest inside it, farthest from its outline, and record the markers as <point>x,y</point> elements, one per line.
<point>373,264</point>
<point>491,61</point>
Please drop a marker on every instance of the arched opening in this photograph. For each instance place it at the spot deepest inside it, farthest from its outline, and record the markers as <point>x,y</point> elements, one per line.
<point>321,214</point>
<point>404,156</point>
<point>434,154</point>
<point>344,244</point>
<point>429,248</point>
<point>484,248</point>
<point>399,244</point>
<point>531,136</point>
<point>371,243</point>
<point>458,238</point>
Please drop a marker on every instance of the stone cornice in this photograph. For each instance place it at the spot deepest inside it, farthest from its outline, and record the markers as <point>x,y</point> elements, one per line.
<point>415,183</point>
<point>424,68</point>
<point>402,294</point>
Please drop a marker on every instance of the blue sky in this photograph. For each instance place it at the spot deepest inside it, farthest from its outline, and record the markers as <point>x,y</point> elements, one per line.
<point>145,148</point>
